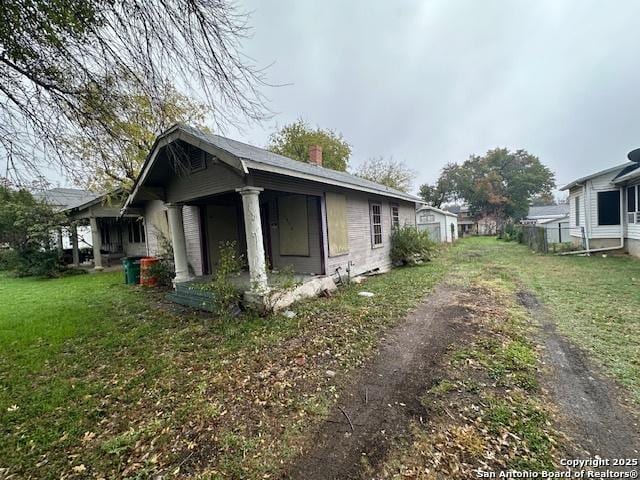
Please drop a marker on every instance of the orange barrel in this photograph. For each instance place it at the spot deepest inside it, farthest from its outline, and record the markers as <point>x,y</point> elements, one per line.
<point>145,276</point>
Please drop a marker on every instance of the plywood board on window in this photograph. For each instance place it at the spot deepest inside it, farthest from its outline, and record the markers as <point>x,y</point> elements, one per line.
<point>337,229</point>
<point>293,224</point>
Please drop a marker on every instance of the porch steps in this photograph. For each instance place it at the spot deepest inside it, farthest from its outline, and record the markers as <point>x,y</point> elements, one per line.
<point>192,296</point>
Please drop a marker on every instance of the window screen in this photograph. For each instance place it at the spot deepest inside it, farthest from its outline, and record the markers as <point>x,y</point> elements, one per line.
<point>376,224</point>
<point>609,208</point>
<point>336,205</point>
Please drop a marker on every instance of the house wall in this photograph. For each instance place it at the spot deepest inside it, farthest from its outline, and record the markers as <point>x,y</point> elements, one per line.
<point>633,246</point>
<point>155,217</point>
<point>192,235</point>
<point>633,229</point>
<point>442,221</point>
<point>554,235</point>
<point>215,178</point>
<point>595,185</point>
<point>576,228</point>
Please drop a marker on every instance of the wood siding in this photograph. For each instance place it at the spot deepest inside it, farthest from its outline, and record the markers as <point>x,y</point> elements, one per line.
<point>214,179</point>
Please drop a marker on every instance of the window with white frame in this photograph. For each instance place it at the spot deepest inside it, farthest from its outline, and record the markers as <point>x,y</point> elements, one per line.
<point>395,216</point>
<point>633,197</point>
<point>136,232</point>
<point>375,211</point>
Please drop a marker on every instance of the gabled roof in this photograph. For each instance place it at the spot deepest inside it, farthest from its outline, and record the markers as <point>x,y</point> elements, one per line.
<point>66,198</point>
<point>555,219</point>
<point>255,158</point>
<point>597,174</point>
<point>548,211</point>
<point>437,210</point>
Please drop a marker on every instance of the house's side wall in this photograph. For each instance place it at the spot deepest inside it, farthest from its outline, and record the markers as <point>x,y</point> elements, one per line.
<point>362,254</point>
<point>633,229</point>
<point>440,222</point>
<point>132,249</point>
<point>192,235</point>
<point>156,225</point>
<point>595,185</point>
<point>576,229</point>
<point>633,246</point>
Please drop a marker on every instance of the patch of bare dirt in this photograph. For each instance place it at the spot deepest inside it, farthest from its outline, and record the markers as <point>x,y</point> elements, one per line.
<point>590,404</point>
<point>376,408</point>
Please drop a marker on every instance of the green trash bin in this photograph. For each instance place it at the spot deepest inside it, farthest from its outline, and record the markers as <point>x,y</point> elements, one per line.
<point>131,267</point>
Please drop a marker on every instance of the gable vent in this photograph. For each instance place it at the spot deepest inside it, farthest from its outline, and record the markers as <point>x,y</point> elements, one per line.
<point>198,162</point>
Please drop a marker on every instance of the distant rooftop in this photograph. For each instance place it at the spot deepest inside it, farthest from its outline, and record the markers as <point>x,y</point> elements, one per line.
<point>548,211</point>
<point>66,198</point>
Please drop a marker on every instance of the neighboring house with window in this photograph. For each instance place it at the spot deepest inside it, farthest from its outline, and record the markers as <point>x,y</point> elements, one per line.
<point>95,223</point>
<point>603,208</point>
<point>201,189</point>
<point>441,225</point>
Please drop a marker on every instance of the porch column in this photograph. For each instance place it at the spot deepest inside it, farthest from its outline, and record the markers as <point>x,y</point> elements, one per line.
<point>180,259</point>
<point>255,245</point>
<point>59,244</point>
<point>73,229</point>
<point>96,239</point>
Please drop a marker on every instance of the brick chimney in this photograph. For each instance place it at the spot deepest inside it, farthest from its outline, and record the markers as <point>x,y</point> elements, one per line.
<point>315,155</point>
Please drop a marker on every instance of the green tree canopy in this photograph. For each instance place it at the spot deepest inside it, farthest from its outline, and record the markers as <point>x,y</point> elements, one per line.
<point>389,172</point>
<point>500,183</point>
<point>294,140</point>
<point>443,190</point>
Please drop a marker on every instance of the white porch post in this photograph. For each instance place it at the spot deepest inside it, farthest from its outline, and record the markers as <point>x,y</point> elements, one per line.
<point>59,245</point>
<point>255,245</point>
<point>180,259</point>
<point>96,239</point>
<point>73,229</point>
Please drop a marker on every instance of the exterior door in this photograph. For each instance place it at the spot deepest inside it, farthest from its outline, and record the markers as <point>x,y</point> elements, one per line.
<point>222,226</point>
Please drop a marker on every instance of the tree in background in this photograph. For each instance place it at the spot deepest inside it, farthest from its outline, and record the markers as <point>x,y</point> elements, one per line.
<point>502,183</point>
<point>105,160</point>
<point>443,190</point>
<point>389,172</point>
<point>25,226</point>
<point>294,140</point>
<point>543,199</point>
<point>66,65</point>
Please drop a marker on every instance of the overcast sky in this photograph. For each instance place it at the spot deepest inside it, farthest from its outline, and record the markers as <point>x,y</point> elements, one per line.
<point>432,82</point>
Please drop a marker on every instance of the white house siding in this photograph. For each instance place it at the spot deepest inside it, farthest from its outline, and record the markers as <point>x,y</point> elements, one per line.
<point>633,229</point>
<point>155,222</point>
<point>442,222</point>
<point>361,251</point>
<point>601,184</point>
<point>576,229</point>
<point>192,231</point>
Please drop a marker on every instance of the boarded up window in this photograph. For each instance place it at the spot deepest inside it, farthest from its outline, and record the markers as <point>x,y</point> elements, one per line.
<point>293,224</point>
<point>609,208</point>
<point>337,224</point>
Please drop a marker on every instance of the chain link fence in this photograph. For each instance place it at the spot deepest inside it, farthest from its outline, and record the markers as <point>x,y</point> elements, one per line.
<point>547,239</point>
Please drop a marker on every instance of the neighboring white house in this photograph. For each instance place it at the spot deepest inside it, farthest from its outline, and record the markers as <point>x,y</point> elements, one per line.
<point>604,208</point>
<point>441,225</point>
<point>554,219</point>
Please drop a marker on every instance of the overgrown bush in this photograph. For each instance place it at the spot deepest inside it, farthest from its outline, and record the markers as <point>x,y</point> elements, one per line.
<point>410,246</point>
<point>511,233</point>
<point>226,294</point>
<point>162,270</point>
<point>8,260</point>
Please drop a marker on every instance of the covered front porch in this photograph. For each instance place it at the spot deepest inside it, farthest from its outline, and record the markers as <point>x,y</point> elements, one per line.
<point>277,233</point>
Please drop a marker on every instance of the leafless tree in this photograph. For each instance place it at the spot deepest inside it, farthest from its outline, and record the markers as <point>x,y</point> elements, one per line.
<point>65,63</point>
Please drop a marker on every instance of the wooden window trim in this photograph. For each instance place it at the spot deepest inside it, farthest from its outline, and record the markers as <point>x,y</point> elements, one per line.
<point>372,225</point>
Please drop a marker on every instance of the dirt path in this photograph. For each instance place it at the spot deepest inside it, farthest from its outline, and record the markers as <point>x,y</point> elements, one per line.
<point>384,395</point>
<point>589,402</point>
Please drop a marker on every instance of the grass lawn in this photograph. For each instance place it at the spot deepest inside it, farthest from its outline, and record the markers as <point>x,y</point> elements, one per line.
<point>102,380</point>
<point>595,300</point>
